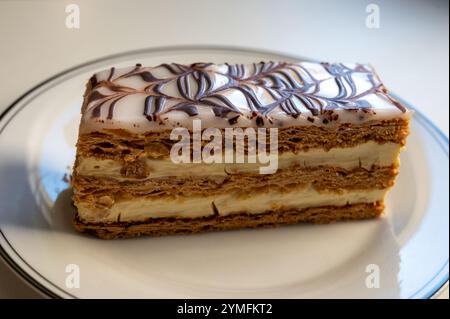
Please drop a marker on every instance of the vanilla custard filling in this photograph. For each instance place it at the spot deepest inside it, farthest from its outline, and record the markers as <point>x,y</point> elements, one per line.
<point>363,155</point>
<point>140,209</point>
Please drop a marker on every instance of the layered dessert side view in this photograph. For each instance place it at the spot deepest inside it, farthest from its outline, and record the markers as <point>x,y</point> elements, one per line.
<point>339,135</point>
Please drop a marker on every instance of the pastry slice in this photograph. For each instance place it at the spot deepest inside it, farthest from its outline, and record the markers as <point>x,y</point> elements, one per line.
<point>293,142</point>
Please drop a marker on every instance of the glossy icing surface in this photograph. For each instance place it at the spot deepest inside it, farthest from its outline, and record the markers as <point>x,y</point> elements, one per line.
<point>265,94</point>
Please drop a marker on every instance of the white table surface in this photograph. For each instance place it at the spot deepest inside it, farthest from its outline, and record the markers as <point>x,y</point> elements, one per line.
<point>410,49</point>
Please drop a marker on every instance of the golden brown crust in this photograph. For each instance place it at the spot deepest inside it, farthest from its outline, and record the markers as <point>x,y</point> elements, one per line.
<point>321,178</point>
<point>122,145</point>
<point>175,226</point>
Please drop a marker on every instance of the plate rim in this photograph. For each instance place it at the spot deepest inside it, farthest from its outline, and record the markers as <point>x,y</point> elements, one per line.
<point>435,131</point>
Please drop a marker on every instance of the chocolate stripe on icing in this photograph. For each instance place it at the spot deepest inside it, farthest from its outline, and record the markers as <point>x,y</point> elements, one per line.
<point>111,73</point>
<point>93,81</point>
<point>187,108</point>
<point>183,86</point>
<point>132,72</point>
<point>148,107</point>
<point>97,111</point>
<point>147,77</point>
<point>170,68</point>
<point>291,88</point>
<point>111,107</point>
<point>95,96</point>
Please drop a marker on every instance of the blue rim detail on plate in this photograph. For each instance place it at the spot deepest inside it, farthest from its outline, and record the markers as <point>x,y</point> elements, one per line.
<point>443,142</point>
<point>438,135</point>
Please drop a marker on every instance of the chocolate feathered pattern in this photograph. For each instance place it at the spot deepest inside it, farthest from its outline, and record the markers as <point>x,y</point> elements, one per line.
<point>284,82</point>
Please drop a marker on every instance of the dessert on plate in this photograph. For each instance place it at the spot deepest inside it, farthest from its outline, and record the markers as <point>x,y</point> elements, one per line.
<point>313,142</point>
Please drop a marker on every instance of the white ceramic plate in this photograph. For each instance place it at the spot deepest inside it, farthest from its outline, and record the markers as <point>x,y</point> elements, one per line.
<point>408,248</point>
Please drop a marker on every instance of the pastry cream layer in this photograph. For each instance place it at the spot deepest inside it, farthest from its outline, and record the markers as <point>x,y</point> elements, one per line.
<point>140,209</point>
<point>364,155</point>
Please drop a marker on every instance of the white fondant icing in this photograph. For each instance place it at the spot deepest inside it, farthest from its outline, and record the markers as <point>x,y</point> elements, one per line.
<point>339,93</point>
